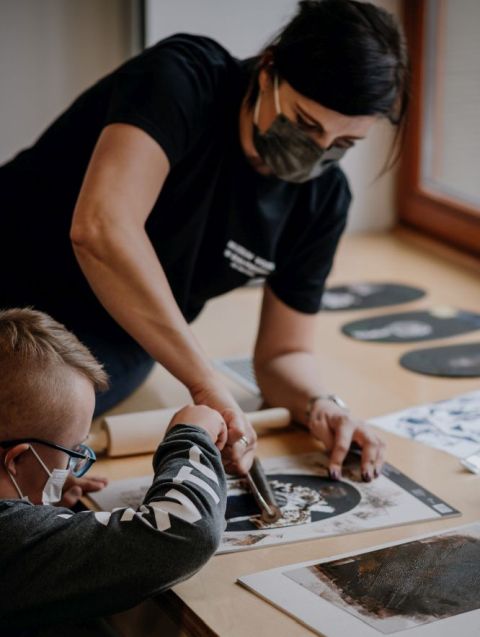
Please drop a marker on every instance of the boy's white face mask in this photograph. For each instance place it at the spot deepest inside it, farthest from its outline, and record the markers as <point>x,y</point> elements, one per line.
<point>52,491</point>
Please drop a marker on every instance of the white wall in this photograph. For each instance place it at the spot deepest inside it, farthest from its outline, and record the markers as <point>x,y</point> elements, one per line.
<point>244,28</point>
<point>50,50</point>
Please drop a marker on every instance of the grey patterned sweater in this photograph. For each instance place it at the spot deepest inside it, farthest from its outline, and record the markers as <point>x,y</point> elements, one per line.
<point>58,566</point>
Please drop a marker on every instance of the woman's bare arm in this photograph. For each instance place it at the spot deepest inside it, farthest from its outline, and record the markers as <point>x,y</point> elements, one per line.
<point>288,376</point>
<point>124,178</point>
<point>122,183</point>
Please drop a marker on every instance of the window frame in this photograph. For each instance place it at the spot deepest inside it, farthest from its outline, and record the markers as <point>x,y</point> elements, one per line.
<point>430,212</point>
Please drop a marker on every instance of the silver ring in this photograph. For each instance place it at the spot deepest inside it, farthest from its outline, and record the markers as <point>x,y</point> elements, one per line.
<point>244,441</point>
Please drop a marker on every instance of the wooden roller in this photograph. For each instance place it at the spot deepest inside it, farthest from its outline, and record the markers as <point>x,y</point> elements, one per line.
<point>141,432</point>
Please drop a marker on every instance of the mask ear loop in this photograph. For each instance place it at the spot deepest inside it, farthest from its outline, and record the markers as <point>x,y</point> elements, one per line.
<point>49,473</point>
<point>257,109</point>
<point>276,96</point>
<point>276,99</point>
<point>15,484</point>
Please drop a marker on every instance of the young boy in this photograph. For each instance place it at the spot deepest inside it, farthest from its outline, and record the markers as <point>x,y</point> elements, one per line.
<point>58,566</point>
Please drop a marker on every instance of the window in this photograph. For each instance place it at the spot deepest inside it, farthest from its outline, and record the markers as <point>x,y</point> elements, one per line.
<point>439,188</point>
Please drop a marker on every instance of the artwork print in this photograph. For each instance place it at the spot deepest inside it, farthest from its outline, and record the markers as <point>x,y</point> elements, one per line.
<point>357,296</point>
<point>404,585</point>
<point>302,498</point>
<point>451,425</point>
<point>422,587</point>
<point>407,327</point>
<point>312,504</point>
<point>453,361</point>
<point>315,506</point>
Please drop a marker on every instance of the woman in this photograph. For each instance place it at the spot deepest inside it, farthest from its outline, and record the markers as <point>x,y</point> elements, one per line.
<point>189,172</point>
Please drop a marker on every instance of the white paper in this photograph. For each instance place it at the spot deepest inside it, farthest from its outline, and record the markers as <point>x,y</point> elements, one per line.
<point>450,425</point>
<point>317,602</point>
<point>240,369</point>
<point>122,493</point>
<point>313,506</point>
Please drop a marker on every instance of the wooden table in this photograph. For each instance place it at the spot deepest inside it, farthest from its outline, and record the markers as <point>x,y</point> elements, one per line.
<point>369,377</point>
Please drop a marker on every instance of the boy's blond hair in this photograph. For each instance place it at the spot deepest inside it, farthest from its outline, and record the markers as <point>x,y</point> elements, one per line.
<point>37,358</point>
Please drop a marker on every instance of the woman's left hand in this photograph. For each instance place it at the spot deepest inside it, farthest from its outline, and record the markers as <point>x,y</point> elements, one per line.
<point>75,488</point>
<point>337,429</point>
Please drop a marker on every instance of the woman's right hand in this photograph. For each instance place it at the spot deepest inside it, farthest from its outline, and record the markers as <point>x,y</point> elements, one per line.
<point>239,451</point>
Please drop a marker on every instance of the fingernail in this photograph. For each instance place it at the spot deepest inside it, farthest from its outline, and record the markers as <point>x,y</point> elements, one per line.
<point>367,476</point>
<point>334,474</point>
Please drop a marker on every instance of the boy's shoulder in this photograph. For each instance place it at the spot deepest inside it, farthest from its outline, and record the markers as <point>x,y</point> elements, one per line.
<point>19,518</point>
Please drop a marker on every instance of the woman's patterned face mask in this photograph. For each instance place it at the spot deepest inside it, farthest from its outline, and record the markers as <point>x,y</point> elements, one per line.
<point>288,151</point>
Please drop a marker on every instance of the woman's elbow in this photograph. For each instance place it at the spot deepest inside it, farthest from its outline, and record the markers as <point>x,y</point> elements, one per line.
<point>90,237</point>
<point>84,233</point>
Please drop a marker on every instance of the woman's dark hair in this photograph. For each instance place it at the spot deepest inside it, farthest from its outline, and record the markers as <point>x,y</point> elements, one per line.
<point>349,56</point>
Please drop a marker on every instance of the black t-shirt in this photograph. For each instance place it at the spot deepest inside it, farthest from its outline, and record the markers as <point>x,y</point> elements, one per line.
<point>216,224</point>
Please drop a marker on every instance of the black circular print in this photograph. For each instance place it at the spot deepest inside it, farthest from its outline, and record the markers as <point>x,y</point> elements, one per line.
<point>302,498</point>
<point>407,327</point>
<point>454,361</point>
<point>362,296</point>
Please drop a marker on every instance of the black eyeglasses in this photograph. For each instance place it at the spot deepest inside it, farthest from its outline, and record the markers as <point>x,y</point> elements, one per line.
<point>80,460</point>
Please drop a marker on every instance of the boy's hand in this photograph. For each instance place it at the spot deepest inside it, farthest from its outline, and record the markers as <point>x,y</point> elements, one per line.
<point>75,488</point>
<point>205,418</point>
